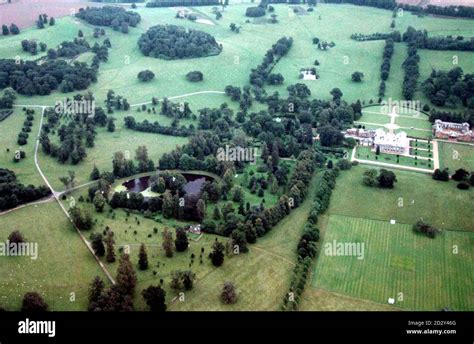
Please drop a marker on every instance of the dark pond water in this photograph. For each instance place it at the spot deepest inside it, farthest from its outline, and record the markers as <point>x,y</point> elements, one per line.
<point>193,185</point>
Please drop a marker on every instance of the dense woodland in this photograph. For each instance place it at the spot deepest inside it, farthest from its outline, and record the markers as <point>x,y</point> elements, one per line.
<point>31,79</point>
<point>108,16</point>
<point>450,88</point>
<point>171,42</point>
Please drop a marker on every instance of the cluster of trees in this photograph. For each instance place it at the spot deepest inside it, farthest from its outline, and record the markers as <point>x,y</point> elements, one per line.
<point>385,67</point>
<point>74,137</point>
<point>146,75</point>
<point>178,3</point>
<point>32,46</point>
<point>43,20</point>
<point>219,120</point>
<point>119,297</point>
<point>13,29</point>
<point>255,11</point>
<point>155,127</point>
<point>27,124</point>
<point>115,101</point>
<point>395,36</point>
<point>261,74</point>
<point>172,42</point>
<point>412,71</point>
<point>7,100</point>
<point>456,117</point>
<point>195,76</point>
<point>422,41</point>
<point>29,78</point>
<point>175,110</point>
<point>422,227</point>
<point>383,178</point>
<point>450,88</point>
<point>123,167</point>
<point>109,16</point>
<point>13,193</point>
<point>70,49</point>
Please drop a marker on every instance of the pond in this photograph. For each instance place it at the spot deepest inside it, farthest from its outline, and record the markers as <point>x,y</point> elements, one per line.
<point>193,185</point>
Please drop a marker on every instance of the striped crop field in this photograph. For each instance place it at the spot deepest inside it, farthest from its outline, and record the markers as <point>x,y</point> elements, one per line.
<point>418,272</point>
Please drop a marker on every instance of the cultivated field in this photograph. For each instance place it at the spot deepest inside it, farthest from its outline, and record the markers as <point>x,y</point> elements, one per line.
<point>427,272</point>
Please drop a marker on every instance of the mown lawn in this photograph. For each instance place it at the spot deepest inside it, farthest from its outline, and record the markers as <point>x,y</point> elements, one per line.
<point>438,203</point>
<point>419,272</point>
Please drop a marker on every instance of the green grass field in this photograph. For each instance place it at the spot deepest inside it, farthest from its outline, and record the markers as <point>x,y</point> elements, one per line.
<point>455,156</point>
<point>64,264</point>
<point>438,203</point>
<point>426,271</point>
<point>25,169</point>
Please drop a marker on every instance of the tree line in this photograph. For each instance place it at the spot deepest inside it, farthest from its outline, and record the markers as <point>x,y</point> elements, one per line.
<point>385,67</point>
<point>421,40</point>
<point>13,193</point>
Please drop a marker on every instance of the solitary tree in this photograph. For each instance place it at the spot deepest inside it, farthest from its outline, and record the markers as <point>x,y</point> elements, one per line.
<point>126,277</point>
<point>181,243</point>
<point>229,294</point>
<point>217,254</point>
<point>155,298</point>
<point>109,243</point>
<point>98,245</point>
<point>142,258</point>
<point>33,302</point>
<point>357,76</point>
<point>167,243</point>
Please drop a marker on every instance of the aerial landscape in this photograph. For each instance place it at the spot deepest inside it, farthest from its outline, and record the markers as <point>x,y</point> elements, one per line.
<point>237,155</point>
